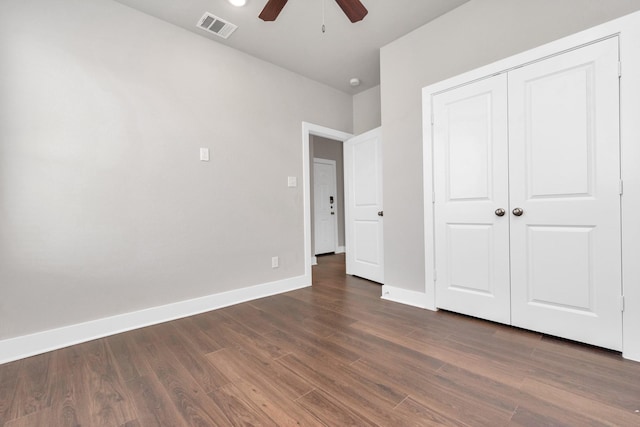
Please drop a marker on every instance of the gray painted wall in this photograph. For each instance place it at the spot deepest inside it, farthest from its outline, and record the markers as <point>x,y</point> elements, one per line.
<point>366,110</point>
<point>475,34</point>
<point>104,205</point>
<point>328,149</point>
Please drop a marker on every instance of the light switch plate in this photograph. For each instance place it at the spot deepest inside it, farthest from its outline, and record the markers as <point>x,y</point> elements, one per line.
<point>204,154</point>
<point>292,181</point>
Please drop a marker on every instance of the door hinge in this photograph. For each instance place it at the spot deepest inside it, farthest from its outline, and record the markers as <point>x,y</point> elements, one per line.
<point>619,68</point>
<point>622,303</point>
<point>621,188</point>
<point>433,197</point>
<point>435,276</point>
<point>432,121</point>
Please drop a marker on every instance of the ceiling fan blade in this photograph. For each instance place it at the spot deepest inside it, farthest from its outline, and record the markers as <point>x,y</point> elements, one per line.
<point>272,9</point>
<point>354,10</point>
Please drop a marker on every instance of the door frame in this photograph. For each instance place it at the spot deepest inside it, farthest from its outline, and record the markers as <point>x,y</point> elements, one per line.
<point>628,29</point>
<point>331,163</point>
<point>309,129</point>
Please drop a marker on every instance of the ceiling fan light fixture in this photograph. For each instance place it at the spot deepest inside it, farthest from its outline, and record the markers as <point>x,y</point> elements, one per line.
<point>238,3</point>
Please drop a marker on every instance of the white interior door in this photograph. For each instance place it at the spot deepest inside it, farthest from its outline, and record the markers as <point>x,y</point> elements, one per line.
<point>565,177</point>
<point>471,182</point>
<point>363,200</point>
<point>324,206</point>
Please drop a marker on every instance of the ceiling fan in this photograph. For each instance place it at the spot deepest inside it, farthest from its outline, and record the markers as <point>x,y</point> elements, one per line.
<point>354,10</point>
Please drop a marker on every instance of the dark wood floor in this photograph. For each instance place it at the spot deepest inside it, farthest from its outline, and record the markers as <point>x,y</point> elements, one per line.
<point>335,355</point>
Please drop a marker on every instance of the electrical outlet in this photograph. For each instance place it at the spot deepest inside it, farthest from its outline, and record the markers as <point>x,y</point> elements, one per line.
<point>275,262</point>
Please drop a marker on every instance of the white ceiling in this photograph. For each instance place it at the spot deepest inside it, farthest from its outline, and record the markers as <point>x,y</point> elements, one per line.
<point>295,40</point>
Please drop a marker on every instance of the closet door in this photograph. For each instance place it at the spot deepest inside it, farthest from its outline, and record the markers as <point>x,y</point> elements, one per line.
<point>565,184</point>
<point>471,186</point>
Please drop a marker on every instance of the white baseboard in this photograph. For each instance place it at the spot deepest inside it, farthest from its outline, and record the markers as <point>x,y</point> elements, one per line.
<point>314,260</point>
<point>404,296</point>
<point>41,342</point>
<point>340,250</point>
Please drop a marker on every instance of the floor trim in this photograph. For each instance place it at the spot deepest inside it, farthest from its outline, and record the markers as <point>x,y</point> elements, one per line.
<point>41,342</point>
<point>404,296</point>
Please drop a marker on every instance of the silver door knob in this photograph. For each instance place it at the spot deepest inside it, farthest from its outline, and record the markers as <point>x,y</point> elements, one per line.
<point>500,212</point>
<point>518,212</point>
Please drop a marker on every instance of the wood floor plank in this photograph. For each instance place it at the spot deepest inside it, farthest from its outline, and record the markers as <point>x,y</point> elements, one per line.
<point>593,409</point>
<point>447,398</point>
<point>315,347</point>
<point>109,400</point>
<point>385,348</point>
<point>186,353</point>
<point>425,415</point>
<point>589,381</point>
<point>534,411</point>
<point>206,341</point>
<point>433,348</point>
<point>153,404</point>
<point>238,409</point>
<point>284,312</point>
<point>38,418</point>
<point>369,399</point>
<point>123,357</point>
<point>332,411</point>
<point>250,316</point>
<point>184,391</point>
<point>238,365</point>
<point>281,410</point>
<point>9,373</point>
<point>71,400</point>
<point>244,337</point>
<point>34,387</point>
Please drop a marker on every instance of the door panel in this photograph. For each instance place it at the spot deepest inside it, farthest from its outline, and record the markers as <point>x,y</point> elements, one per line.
<point>563,281</point>
<point>363,197</point>
<point>470,245</point>
<point>560,137</point>
<point>564,174</point>
<point>471,182</point>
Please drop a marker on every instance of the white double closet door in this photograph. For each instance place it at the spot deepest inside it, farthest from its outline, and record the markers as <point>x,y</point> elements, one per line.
<point>527,197</point>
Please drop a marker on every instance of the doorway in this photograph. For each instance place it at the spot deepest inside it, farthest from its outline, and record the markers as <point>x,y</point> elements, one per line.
<point>362,165</point>
<point>327,196</point>
<point>311,132</point>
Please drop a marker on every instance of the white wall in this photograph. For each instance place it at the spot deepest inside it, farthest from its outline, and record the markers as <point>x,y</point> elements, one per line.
<point>475,34</point>
<point>104,206</point>
<point>366,110</point>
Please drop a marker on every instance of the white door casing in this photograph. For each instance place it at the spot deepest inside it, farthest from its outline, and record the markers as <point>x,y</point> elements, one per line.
<point>565,176</point>
<point>562,173</point>
<point>363,210</point>
<point>325,202</point>
<point>471,182</point>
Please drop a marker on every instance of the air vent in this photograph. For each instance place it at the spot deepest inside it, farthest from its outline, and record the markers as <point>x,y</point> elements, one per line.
<point>215,25</point>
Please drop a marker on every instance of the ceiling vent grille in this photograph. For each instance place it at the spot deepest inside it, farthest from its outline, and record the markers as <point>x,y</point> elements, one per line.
<point>216,25</point>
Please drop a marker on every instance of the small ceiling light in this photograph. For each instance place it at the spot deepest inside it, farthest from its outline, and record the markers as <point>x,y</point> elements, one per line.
<point>238,3</point>
<point>354,82</point>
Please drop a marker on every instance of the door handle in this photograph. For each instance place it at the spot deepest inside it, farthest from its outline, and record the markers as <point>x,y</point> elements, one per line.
<point>381,213</point>
<point>518,212</point>
<point>500,212</point>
